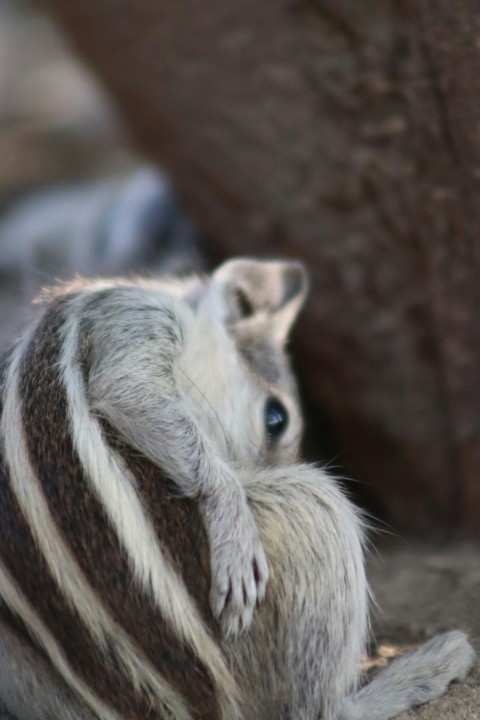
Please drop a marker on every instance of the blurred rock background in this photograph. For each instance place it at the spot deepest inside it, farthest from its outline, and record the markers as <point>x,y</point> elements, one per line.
<point>346,134</point>
<point>74,197</point>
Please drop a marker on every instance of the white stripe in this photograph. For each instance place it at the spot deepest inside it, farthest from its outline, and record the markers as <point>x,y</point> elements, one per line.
<point>61,563</point>
<point>17,603</point>
<point>115,487</point>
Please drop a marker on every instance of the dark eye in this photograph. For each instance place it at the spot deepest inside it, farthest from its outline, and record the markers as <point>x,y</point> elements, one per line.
<point>276,419</point>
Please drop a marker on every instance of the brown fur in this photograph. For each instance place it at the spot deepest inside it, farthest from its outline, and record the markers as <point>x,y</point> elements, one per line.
<point>93,542</point>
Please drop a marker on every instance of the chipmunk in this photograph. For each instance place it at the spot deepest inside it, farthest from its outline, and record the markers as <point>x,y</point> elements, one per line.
<point>164,554</point>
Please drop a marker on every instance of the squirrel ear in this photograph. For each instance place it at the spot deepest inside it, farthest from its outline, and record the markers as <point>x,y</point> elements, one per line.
<point>266,294</point>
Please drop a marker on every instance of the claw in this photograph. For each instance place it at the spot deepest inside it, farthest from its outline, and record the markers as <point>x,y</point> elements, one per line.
<point>218,600</point>
<point>239,576</point>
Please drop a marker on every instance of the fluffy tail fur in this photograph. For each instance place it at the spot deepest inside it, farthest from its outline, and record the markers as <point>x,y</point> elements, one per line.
<point>413,679</point>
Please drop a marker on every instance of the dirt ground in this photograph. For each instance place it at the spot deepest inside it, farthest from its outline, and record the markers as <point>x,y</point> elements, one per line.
<point>421,591</point>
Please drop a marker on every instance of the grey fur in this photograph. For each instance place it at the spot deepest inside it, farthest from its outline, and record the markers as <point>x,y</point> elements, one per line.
<point>413,679</point>
<point>182,370</point>
<point>29,690</point>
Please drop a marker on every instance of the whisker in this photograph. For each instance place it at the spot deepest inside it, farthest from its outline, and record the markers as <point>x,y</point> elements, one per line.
<point>226,438</point>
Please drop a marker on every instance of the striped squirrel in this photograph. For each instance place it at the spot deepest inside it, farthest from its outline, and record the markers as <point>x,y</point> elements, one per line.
<point>163,554</point>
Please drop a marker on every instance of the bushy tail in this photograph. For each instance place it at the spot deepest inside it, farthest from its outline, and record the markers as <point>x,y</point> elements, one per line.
<point>413,679</point>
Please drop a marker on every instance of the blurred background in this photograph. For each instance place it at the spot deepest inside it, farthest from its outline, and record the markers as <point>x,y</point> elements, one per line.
<point>74,195</point>
<point>56,122</point>
<point>343,135</point>
<point>56,128</point>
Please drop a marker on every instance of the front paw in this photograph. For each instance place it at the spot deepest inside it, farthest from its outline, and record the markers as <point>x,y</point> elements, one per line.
<point>239,569</point>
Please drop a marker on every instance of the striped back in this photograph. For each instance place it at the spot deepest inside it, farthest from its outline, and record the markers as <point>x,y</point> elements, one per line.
<point>117,602</point>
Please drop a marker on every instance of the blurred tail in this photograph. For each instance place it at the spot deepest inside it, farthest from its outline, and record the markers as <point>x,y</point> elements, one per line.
<point>413,679</point>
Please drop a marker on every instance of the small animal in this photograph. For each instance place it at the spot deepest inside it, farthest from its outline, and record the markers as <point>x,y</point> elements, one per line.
<point>163,554</point>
